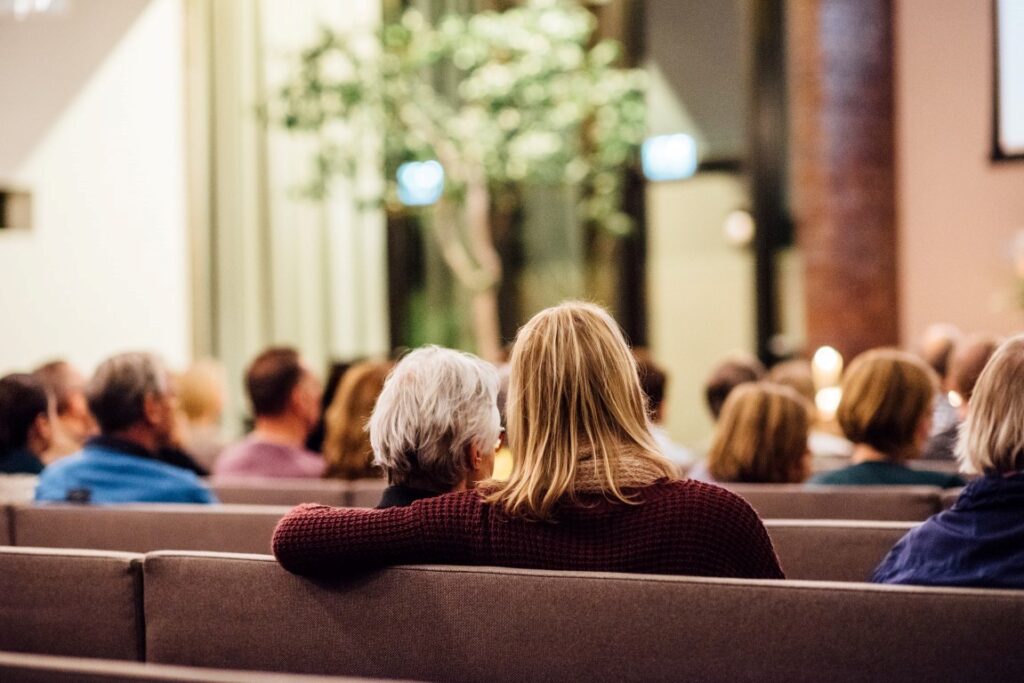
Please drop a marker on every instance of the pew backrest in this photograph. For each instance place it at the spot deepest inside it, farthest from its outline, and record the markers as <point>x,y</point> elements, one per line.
<point>289,492</point>
<point>365,493</point>
<point>833,550</point>
<point>30,668</point>
<point>145,527</point>
<point>6,525</point>
<point>71,602</point>
<point>470,624</point>
<point>797,501</point>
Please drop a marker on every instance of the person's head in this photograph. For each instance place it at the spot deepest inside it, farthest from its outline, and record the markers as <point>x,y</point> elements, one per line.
<point>992,436</point>
<point>736,369</point>
<point>280,385</point>
<point>347,447</point>
<point>761,436</point>
<point>201,392</point>
<point>795,374</point>
<point>435,425</point>
<point>653,382</point>
<point>66,387</point>
<point>24,414</point>
<point>131,396</point>
<point>936,347</point>
<point>965,365</point>
<point>576,414</point>
<point>887,402</point>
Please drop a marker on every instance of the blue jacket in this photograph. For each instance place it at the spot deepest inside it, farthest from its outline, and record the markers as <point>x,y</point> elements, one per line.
<point>110,471</point>
<point>978,542</point>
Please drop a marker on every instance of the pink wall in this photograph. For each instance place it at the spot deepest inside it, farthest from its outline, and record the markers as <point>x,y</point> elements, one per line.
<point>957,212</point>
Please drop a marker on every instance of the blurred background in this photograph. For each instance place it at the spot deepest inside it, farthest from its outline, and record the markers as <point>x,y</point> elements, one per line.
<point>203,178</point>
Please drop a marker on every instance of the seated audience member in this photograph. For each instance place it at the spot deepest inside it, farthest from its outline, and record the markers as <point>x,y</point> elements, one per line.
<point>737,368</point>
<point>589,488</point>
<point>936,348</point>
<point>132,399</point>
<point>761,437</point>
<point>965,366</point>
<point>980,540</point>
<point>653,381</point>
<point>823,443</point>
<point>335,373</point>
<point>25,426</point>
<point>346,446</point>
<point>285,399</point>
<point>201,395</point>
<point>74,424</point>
<point>435,427</point>
<point>886,411</point>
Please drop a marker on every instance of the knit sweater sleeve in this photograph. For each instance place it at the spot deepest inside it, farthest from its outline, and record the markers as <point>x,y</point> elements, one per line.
<point>317,540</point>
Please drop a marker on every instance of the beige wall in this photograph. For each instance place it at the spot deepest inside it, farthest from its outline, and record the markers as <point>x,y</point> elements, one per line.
<point>91,122</point>
<point>700,292</point>
<point>958,212</point>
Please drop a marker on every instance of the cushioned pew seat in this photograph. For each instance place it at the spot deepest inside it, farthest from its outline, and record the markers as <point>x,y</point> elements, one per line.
<point>797,501</point>
<point>26,668</point>
<point>71,602</point>
<point>142,528</point>
<point>472,624</point>
<point>833,550</point>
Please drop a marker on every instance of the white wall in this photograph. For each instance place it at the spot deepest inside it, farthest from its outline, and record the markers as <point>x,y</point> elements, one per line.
<point>958,213</point>
<point>91,122</point>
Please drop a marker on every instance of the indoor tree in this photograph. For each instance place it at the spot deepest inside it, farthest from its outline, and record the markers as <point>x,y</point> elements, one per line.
<point>499,99</point>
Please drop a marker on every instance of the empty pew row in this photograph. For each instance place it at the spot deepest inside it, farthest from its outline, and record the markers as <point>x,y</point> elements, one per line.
<point>820,550</point>
<point>244,612</point>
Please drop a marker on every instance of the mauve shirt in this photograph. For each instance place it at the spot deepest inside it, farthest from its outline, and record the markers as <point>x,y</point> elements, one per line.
<point>255,457</point>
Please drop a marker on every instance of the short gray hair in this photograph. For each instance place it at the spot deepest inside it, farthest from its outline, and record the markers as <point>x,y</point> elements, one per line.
<point>992,436</point>
<point>118,389</point>
<point>435,404</point>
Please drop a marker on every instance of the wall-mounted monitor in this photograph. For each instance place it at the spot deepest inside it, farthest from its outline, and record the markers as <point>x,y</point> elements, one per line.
<point>1008,141</point>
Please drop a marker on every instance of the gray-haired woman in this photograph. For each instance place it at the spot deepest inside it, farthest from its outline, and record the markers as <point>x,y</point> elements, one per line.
<point>435,426</point>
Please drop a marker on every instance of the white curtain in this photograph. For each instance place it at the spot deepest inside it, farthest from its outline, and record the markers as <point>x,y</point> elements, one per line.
<point>268,266</point>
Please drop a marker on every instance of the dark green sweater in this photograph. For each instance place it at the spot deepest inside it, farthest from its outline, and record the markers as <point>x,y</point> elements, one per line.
<point>885,474</point>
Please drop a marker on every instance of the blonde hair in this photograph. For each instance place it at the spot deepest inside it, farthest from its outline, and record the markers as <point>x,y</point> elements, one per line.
<point>886,394</point>
<point>347,450</point>
<point>992,436</point>
<point>575,413</point>
<point>200,391</point>
<point>761,436</point>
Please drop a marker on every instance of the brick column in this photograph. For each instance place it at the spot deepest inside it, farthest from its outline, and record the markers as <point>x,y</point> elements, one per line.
<point>841,117</point>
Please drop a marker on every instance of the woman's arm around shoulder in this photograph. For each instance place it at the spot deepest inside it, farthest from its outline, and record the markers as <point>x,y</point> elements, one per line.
<point>318,540</point>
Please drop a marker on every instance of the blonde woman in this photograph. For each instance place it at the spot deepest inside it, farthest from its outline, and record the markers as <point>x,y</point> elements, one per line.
<point>761,436</point>
<point>980,540</point>
<point>886,411</point>
<point>588,488</point>
<point>347,450</point>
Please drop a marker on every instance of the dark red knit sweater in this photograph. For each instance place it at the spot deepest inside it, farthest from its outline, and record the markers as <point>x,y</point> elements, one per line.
<point>681,527</point>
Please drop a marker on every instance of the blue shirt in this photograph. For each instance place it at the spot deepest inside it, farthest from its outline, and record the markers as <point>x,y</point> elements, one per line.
<point>107,471</point>
<point>978,542</point>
